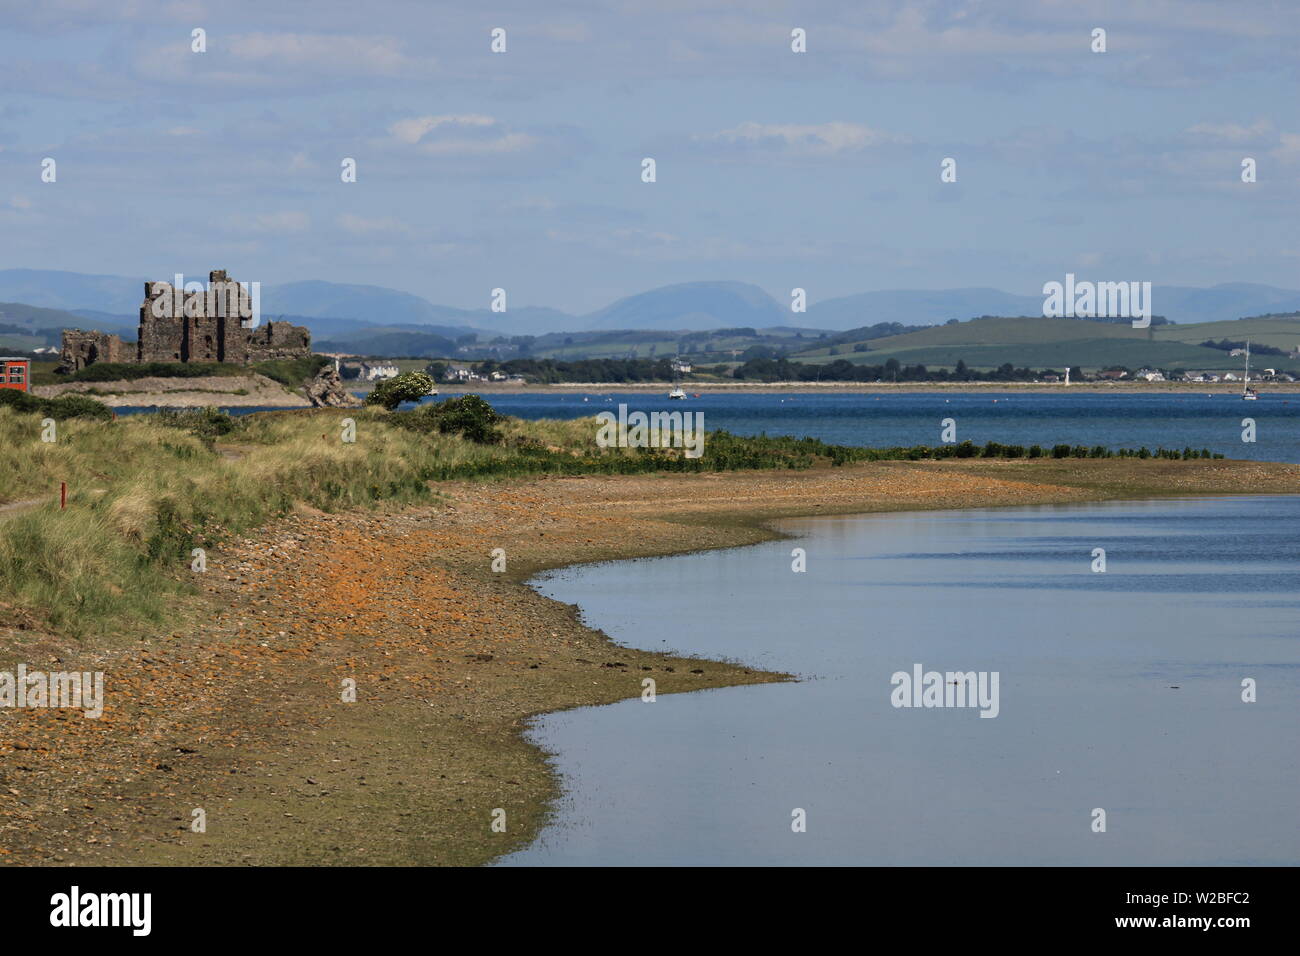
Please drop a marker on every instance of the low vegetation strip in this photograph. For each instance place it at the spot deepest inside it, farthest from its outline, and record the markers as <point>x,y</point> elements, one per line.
<point>61,408</point>
<point>288,372</point>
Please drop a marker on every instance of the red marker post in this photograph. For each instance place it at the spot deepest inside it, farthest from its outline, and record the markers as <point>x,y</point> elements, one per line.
<point>63,495</point>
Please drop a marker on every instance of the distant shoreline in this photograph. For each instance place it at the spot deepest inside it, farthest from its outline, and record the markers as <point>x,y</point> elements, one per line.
<point>814,388</point>
<point>256,391</point>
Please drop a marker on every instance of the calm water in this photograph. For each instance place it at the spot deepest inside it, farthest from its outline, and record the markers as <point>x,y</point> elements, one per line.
<point>1115,421</point>
<point>1197,594</point>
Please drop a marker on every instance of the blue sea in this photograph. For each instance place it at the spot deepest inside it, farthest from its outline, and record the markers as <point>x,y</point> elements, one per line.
<point>880,421</point>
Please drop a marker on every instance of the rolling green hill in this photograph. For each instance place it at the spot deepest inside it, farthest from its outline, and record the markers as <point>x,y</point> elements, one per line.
<point>1054,343</point>
<point>1279,332</point>
<point>26,327</point>
<point>21,343</point>
<point>1088,354</point>
<point>996,331</point>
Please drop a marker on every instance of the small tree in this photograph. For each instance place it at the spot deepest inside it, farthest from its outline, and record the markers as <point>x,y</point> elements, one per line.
<point>467,415</point>
<point>407,387</point>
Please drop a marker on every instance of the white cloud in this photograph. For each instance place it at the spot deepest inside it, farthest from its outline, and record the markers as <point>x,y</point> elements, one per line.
<point>824,139</point>
<point>1288,148</point>
<point>507,143</point>
<point>417,127</point>
<point>471,134</point>
<point>332,52</point>
<point>1231,132</point>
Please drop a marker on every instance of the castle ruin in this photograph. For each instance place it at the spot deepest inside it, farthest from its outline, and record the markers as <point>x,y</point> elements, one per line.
<point>200,326</point>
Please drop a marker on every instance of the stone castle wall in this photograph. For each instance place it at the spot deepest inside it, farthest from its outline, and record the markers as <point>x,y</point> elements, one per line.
<point>278,340</point>
<point>200,326</point>
<point>86,348</point>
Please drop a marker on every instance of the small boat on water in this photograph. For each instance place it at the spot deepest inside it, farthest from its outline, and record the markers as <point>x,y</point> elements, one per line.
<point>1247,393</point>
<point>678,391</point>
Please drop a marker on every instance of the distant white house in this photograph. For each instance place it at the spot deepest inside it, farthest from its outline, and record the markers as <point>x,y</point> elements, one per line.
<point>1231,377</point>
<point>462,373</point>
<point>375,373</point>
<point>1150,375</point>
<point>682,366</point>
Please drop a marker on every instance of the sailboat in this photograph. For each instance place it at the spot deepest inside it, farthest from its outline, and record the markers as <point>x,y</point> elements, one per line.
<point>678,391</point>
<point>1248,393</point>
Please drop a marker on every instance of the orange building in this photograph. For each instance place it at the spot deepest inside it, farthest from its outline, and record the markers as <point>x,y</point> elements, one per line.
<point>15,372</point>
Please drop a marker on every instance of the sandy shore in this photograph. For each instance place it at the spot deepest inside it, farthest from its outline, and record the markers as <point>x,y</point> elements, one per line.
<point>227,391</point>
<point>258,391</point>
<point>237,710</point>
<point>882,388</point>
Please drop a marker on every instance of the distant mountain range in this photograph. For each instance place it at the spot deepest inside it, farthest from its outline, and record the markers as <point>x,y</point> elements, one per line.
<point>345,313</point>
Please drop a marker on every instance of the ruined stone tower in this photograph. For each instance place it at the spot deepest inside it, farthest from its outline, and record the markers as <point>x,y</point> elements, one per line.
<point>208,325</point>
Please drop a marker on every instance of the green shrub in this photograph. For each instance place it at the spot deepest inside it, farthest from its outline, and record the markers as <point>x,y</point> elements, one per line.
<point>466,415</point>
<point>60,409</point>
<point>407,387</point>
<point>206,423</point>
<point>291,373</point>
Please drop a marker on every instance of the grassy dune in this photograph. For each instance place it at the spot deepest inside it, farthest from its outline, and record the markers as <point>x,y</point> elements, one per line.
<point>143,493</point>
<point>144,490</point>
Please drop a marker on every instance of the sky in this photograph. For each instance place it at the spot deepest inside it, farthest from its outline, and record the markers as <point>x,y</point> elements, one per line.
<point>522,170</point>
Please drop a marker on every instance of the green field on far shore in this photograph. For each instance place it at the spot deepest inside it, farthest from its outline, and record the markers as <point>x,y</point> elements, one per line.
<point>1038,342</point>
